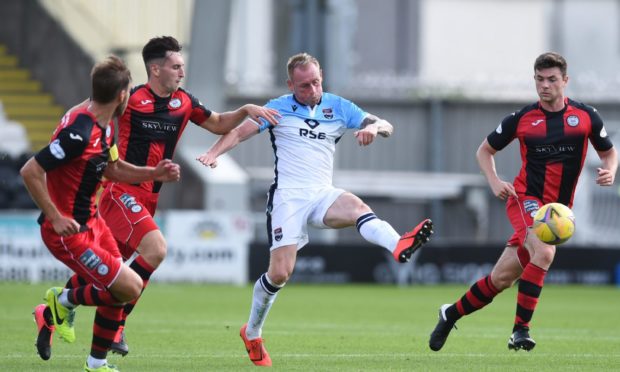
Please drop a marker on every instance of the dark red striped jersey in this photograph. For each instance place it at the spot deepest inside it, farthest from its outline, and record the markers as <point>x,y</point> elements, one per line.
<point>151,127</point>
<point>553,147</point>
<point>74,161</point>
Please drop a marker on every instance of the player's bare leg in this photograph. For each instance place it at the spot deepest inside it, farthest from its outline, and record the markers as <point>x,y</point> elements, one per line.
<point>152,251</point>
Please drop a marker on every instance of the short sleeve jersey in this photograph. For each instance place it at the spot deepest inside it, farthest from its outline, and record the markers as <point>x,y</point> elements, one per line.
<point>553,147</point>
<point>304,141</point>
<point>151,127</point>
<point>75,161</point>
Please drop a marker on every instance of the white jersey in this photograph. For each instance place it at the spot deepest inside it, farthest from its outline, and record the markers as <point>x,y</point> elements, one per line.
<point>305,138</point>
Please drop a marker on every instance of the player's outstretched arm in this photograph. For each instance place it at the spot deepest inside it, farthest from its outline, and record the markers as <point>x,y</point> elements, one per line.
<point>122,171</point>
<point>225,122</point>
<point>239,134</point>
<point>607,173</point>
<point>371,127</point>
<point>34,179</point>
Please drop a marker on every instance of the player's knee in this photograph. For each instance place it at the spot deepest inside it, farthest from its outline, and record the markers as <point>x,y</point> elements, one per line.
<point>502,281</point>
<point>280,275</point>
<point>361,208</point>
<point>153,250</point>
<point>543,257</point>
<point>135,289</point>
<point>130,288</point>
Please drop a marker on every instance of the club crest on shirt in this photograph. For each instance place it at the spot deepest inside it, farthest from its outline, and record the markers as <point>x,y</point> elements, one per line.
<point>277,234</point>
<point>175,103</point>
<point>572,120</point>
<point>328,113</point>
<point>103,269</point>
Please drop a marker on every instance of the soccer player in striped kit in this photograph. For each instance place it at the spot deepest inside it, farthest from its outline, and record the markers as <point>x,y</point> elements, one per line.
<point>149,130</point>
<point>302,193</point>
<point>553,136</point>
<point>63,179</point>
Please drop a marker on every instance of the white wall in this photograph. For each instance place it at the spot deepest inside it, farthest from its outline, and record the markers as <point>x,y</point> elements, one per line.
<point>481,40</point>
<point>102,26</point>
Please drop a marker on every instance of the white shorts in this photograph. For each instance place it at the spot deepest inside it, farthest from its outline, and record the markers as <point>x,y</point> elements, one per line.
<point>292,210</point>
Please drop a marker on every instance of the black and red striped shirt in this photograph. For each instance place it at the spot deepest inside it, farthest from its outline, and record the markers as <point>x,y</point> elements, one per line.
<point>553,147</point>
<point>75,161</point>
<point>151,127</point>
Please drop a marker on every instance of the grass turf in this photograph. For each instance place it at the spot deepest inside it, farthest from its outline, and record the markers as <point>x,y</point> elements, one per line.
<point>184,327</point>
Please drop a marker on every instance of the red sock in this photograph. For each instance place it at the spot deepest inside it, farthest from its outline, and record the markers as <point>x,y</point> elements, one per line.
<point>478,296</point>
<point>90,295</point>
<point>107,321</point>
<point>142,268</point>
<point>75,281</point>
<point>530,286</point>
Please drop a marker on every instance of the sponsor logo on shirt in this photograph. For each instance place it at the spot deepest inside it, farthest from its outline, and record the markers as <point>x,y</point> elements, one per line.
<point>76,137</point>
<point>57,150</point>
<point>499,129</point>
<point>160,127</point>
<point>130,203</point>
<point>90,259</point>
<point>303,132</point>
<point>554,149</point>
<point>531,207</point>
<point>312,123</point>
<point>535,123</point>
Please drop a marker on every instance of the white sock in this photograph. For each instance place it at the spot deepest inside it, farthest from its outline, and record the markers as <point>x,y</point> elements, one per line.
<point>63,298</point>
<point>262,299</point>
<point>378,231</point>
<point>95,363</point>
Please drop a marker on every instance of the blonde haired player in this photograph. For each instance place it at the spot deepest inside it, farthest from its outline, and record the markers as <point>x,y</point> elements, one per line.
<point>302,193</point>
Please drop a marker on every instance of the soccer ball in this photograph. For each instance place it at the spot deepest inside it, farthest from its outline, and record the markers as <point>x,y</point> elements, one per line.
<point>554,223</point>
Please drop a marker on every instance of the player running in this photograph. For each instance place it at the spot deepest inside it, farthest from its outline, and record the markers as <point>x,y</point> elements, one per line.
<point>149,130</point>
<point>62,179</point>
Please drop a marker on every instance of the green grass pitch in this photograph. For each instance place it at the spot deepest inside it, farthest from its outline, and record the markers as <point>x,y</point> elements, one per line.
<point>185,327</point>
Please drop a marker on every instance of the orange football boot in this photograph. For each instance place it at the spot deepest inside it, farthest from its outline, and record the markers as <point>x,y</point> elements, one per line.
<point>411,241</point>
<point>255,348</point>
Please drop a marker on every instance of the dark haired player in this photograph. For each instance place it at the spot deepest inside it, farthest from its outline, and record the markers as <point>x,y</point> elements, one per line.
<point>62,179</point>
<point>149,131</point>
<point>553,136</point>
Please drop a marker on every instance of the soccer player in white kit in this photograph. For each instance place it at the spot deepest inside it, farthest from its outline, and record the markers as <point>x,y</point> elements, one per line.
<point>302,193</point>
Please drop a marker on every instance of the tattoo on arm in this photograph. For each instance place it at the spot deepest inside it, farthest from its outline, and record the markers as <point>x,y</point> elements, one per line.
<point>370,119</point>
<point>384,129</point>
